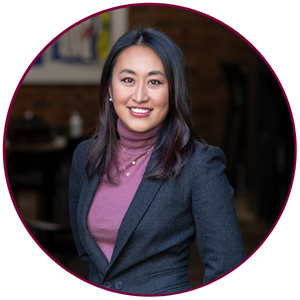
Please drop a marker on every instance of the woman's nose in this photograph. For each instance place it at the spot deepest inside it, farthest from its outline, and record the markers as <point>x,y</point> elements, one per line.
<point>140,93</point>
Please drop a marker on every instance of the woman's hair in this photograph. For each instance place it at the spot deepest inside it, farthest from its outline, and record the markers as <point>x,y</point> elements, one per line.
<point>175,138</point>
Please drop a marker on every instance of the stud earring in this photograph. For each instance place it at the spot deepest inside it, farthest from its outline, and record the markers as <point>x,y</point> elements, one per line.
<point>110,99</point>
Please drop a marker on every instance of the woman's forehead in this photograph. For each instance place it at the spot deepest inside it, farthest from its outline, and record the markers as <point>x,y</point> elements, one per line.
<point>139,59</point>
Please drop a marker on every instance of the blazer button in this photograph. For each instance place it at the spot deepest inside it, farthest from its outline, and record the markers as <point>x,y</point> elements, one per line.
<point>119,285</point>
<point>107,284</point>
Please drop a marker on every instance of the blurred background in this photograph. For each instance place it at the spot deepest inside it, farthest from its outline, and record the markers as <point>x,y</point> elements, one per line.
<point>237,105</point>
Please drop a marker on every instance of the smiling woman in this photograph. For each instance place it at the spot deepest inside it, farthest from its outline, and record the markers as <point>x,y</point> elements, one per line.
<point>140,89</point>
<point>145,186</point>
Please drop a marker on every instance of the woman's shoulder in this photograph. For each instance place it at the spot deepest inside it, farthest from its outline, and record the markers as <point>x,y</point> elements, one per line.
<point>82,150</point>
<point>206,157</point>
<point>204,152</point>
<point>84,146</point>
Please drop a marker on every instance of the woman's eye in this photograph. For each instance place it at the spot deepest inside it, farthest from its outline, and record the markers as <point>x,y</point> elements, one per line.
<point>128,80</point>
<point>155,82</point>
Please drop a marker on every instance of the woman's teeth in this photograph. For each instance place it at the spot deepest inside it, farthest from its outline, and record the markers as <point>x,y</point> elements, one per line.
<point>140,111</point>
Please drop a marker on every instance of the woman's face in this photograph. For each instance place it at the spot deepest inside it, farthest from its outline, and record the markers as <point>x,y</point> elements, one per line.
<point>139,90</point>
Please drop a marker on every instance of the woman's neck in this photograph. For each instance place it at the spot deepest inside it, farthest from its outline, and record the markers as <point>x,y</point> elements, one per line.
<point>136,141</point>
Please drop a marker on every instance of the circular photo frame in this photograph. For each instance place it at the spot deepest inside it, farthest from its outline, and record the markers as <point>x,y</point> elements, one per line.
<point>238,105</point>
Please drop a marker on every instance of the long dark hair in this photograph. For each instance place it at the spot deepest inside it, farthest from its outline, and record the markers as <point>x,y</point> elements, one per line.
<point>175,139</point>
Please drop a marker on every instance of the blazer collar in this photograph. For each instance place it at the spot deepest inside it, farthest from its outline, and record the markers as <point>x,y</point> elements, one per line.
<point>90,245</point>
<point>144,195</point>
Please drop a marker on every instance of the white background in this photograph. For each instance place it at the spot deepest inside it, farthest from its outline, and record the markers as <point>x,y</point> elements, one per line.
<point>272,27</point>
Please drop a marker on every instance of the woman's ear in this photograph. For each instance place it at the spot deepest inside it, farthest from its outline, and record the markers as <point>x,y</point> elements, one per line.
<point>110,93</point>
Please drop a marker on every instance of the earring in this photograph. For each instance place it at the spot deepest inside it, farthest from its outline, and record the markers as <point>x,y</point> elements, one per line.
<point>110,99</point>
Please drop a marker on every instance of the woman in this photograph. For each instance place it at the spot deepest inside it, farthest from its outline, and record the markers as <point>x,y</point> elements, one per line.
<point>145,186</point>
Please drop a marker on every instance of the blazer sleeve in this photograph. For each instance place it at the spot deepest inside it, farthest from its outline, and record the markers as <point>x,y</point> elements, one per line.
<point>218,235</point>
<point>74,192</point>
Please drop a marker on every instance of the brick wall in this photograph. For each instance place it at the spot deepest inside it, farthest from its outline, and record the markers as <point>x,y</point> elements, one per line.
<point>54,104</point>
<point>205,43</point>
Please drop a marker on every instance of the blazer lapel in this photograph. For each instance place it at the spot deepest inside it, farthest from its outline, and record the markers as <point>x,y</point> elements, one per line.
<point>88,241</point>
<point>145,194</point>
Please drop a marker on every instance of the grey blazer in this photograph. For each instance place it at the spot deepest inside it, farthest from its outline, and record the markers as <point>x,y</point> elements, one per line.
<point>152,249</point>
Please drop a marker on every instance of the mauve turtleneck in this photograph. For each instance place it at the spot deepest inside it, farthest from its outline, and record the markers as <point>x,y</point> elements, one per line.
<point>111,202</point>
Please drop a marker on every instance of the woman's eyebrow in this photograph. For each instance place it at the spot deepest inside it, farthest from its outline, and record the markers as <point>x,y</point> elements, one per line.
<point>149,74</point>
<point>156,73</point>
<point>127,71</point>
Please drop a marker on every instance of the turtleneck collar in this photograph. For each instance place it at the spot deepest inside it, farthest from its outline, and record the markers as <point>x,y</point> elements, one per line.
<point>138,141</point>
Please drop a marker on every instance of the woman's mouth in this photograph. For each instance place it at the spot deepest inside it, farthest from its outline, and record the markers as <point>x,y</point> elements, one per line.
<point>139,112</point>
